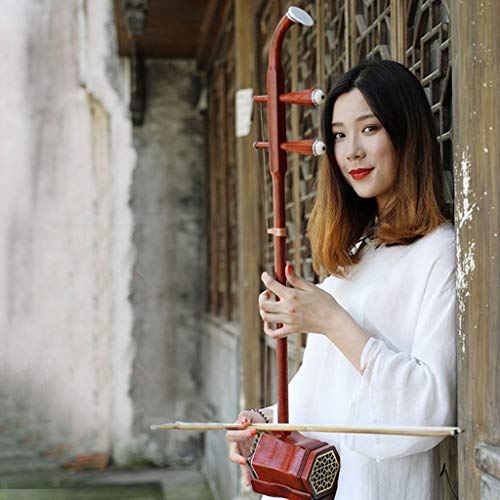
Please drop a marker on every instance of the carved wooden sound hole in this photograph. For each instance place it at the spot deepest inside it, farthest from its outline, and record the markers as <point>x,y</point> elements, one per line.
<point>324,472</point>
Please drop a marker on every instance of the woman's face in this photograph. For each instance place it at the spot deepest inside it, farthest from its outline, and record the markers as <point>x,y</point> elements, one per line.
<point>363,149</point>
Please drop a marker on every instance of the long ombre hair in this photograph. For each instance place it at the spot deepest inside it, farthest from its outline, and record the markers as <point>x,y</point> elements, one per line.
<point>340,217</point>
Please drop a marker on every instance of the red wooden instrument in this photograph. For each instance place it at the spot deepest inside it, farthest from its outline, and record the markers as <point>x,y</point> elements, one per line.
<point>288,464</point>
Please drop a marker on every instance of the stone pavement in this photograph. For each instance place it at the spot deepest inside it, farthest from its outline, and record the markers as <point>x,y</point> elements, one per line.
<point>140,484</point>
<point>30,472</point>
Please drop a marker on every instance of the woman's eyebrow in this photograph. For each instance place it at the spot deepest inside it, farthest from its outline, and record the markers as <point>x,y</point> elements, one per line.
<point>358,119</point>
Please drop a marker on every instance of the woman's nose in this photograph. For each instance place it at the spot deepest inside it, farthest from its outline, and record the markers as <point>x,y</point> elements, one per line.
<point>354,151</point>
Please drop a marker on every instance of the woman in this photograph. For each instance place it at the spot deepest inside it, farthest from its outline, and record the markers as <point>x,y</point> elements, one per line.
<point>383,351</point>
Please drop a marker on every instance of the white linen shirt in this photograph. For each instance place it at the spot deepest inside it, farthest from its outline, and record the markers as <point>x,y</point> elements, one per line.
<point>404,298</point>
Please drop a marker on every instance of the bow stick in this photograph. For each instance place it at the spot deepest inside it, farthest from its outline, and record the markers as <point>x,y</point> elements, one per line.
<point>353,429</point>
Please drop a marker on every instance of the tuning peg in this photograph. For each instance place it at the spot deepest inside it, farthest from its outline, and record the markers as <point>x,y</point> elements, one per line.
<point>309,97</point>
<point>319,147</point>
<point>318,97</point>
<point>311,147</point>
<point>260,98</point>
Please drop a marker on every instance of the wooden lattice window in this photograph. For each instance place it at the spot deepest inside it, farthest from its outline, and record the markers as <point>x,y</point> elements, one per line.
<point>334,44</point>
<point>223,236</point>
<point>372,36</point>
<point>428,56</point>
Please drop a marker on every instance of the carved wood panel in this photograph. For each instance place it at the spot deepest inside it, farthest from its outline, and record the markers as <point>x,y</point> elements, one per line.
<point>372,29</point>
<point>232,173</point>
<point>223,209</point>
<point>335,51</point>
<point>428,57</point>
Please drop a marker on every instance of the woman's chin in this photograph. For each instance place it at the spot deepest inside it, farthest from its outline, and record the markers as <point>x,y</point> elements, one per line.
<point>365,194</point>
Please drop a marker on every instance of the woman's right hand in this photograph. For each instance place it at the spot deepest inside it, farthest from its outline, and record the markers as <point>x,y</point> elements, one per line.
<point>240,442</point>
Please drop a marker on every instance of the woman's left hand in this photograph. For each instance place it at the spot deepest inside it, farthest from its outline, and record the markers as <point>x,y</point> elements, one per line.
<point>302,308</point>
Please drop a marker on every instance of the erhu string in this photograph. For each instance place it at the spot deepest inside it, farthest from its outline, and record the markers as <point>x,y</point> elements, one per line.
<point>263,172</point>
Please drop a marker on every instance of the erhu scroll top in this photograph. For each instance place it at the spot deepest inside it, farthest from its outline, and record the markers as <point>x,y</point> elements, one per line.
<point>299,16</point>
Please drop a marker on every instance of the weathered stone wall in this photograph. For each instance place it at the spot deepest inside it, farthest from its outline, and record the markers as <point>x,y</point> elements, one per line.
<point>65,226</point>
<point>169,272</point>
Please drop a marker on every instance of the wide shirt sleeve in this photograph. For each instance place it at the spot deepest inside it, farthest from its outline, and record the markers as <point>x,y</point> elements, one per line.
<point>409,365</point>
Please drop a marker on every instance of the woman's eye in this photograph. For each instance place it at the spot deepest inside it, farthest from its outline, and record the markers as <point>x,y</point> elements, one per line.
<point>368,129</point>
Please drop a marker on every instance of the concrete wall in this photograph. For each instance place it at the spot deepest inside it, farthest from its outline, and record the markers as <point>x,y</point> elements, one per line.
<point>168,288</point>
<point>66,251</point>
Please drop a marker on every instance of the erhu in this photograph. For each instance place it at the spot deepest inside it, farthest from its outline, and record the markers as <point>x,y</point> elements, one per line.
<point>283,462</point>
<point>288,464</point>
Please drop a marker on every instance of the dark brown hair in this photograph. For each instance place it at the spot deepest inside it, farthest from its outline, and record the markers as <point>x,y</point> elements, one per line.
<point>340,217</point>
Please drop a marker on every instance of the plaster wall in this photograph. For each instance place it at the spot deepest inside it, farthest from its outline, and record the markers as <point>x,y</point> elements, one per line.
<point>66,252</point>
<point>167,291</point>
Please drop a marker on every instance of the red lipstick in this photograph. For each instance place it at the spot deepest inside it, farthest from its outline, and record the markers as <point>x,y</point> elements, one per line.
<point>359,173</point>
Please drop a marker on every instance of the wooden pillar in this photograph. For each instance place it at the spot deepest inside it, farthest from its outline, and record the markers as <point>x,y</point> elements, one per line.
<point>476,124</point>
<point>249,223</point>
<point>351,30</point>
<point>398,30</point>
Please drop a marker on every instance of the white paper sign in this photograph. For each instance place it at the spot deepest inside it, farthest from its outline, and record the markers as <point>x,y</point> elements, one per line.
<point>244,107</point>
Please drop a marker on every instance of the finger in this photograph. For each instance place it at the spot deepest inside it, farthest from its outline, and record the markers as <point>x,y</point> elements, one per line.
<point>277,333</point>
<point>273,285</point>
<point>244,419</point>
<point>238,452</point>
<point>271,305</point>
<point>236,457</point>
<point>295,280</point>
<point>239,436</point>
<point>265,297</point>
<point>273,317</point>
<point>247,476</point>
